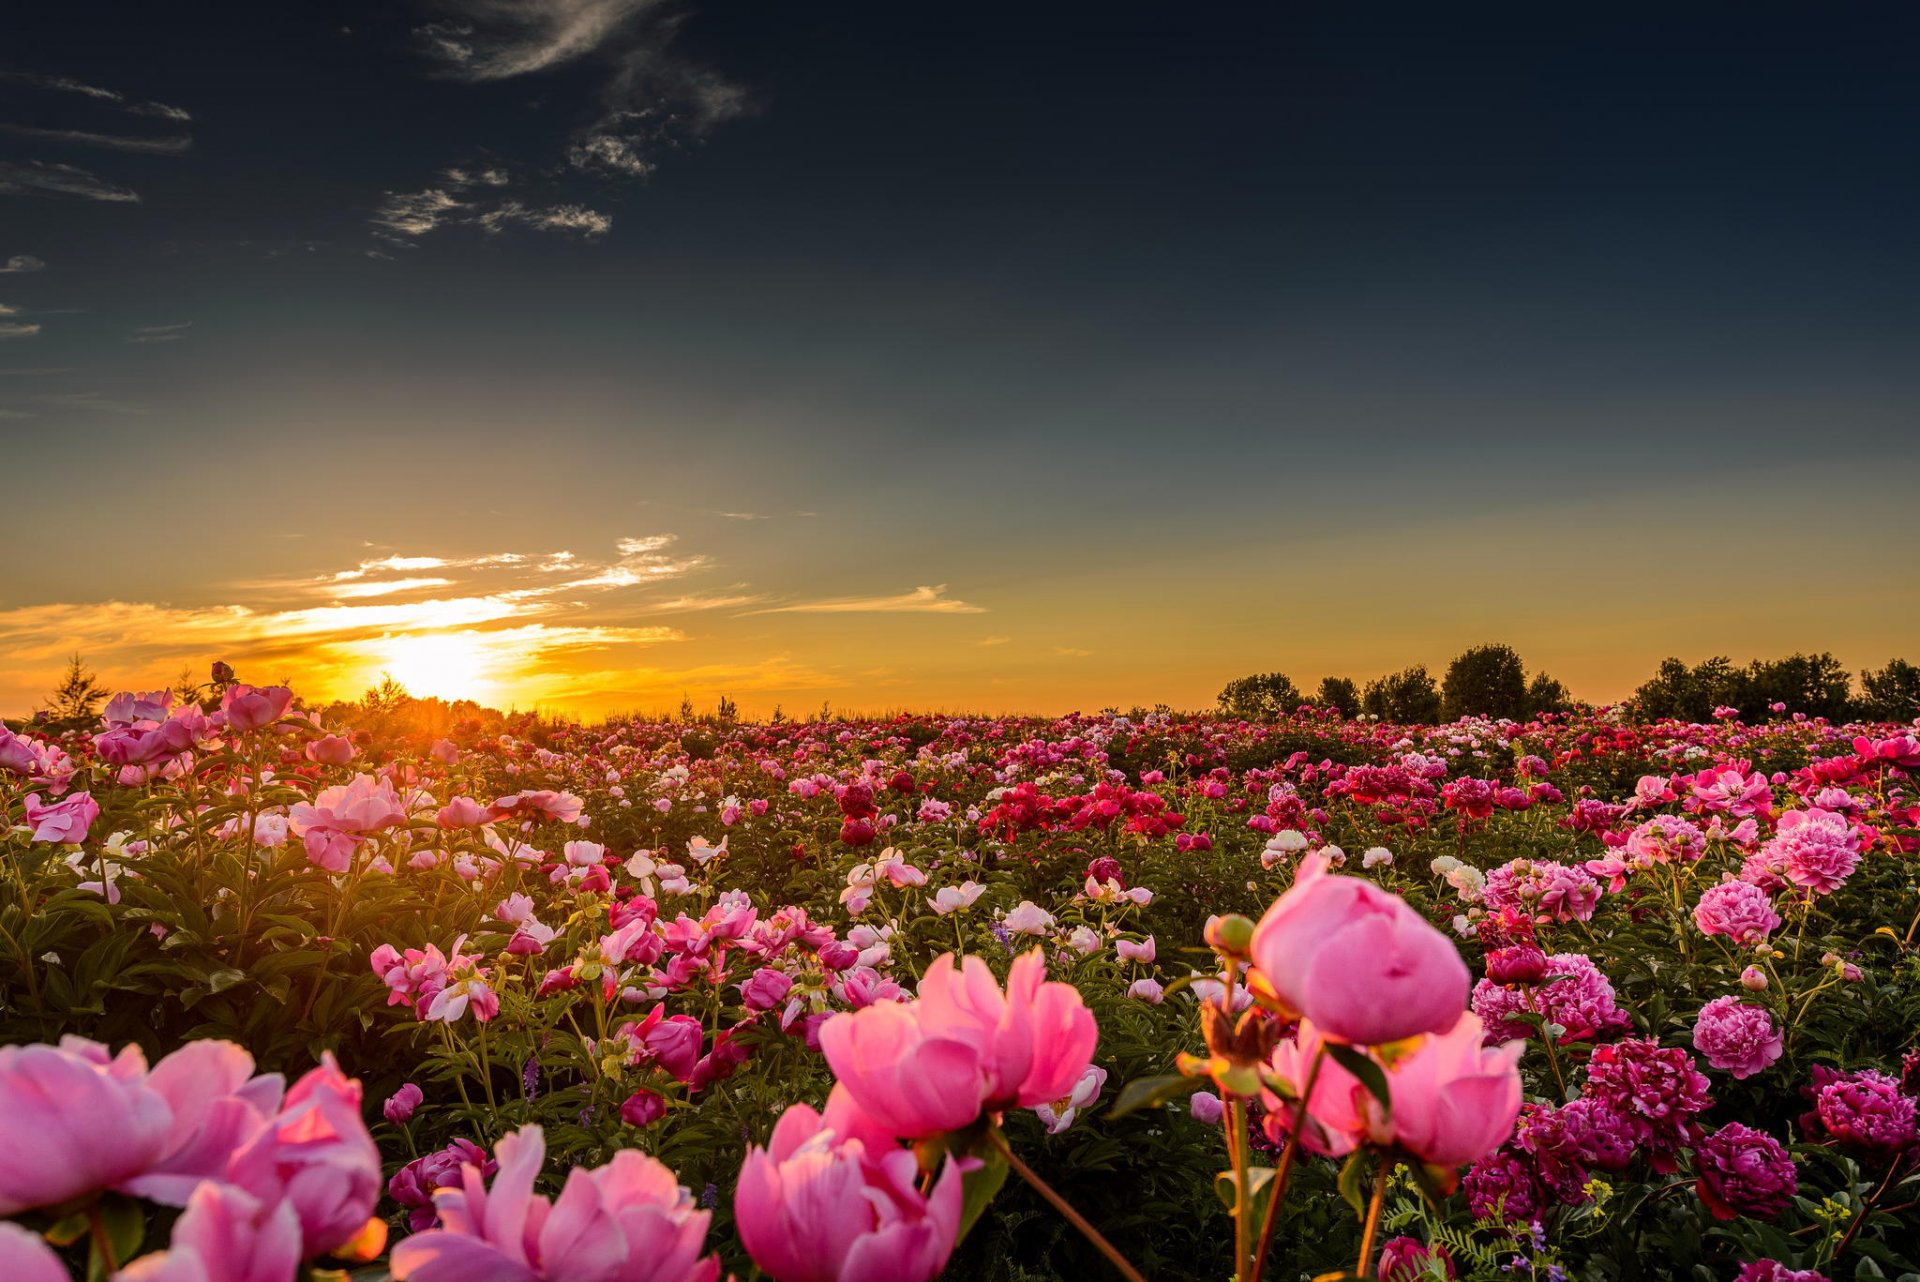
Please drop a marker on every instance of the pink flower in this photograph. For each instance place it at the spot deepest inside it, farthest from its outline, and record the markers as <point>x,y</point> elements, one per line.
<point>330,750</point>
<point>1742,1171</point>
<point>1735,1037</point>
<point>1142,951</point>
<point>765,989</point>
<point>74,1121</point>
<point>1357,961</point>
<point>399,1106</point>
<point>1740,910</point>
<point>413,1185</point>
<point>249,708</point>
<point>317,1156</point>
<point>627,1221</point>
<point>935,1064</point>
<point>1407,1259</point>
<point>1454,1100</point>
<point>1774,1271</point>
<point>1542,889</point>
<point>226,1235</point>
<point>218,1105</point>
<point>66,820</point>
<point>342,816</point>
<point>671,1041</point>
<point>816,1205</point>
<point>464,812</point>
<point>26,1257</point>
<point>643,1108</point>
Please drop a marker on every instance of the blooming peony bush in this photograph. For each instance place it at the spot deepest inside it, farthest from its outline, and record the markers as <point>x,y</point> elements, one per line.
<point>989,998</point>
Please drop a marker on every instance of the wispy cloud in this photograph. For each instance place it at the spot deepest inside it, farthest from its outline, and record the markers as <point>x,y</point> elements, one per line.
<point>21,263</point>
<point>470,198</point>
<point>986,642</point>
<point>66,84</point>
<point>573,218</point>
<point>161,333</point>
<point>168,145</point>
<point>38,178</point>
<point>17,329</point>
<point>650,99</point>
<point>922,600</point>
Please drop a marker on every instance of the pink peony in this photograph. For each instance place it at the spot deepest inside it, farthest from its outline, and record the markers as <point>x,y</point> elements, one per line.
<point>74,1121</point>
<point>1543,890</point>
<point>317,1156</point>
<point>627,1221</point>
<point>1357,960</point>
<point>817,1205</point>
<point>225,1234</point>
<point>26,1257</point>
<point>1735,1037</point>
<point>1740,910</point>
<point>64,821</point>
<point>1742,1171</point>
<point>250,708</point>
<point>963,1047</point>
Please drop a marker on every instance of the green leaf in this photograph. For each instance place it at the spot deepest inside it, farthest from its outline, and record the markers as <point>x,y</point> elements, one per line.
<point>221,980</point>
<point>980,1185</point>
<point>1259,1189</point>
<point>1353,1180</point>
<point>1365,1069</point>
<point>1151,1092</point>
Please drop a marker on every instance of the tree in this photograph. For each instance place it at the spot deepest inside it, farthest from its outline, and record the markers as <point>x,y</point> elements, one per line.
<point>1485,681</point>
<point>1408,697</point>
<point>1340,694</point>
<point>1544,694</point>
<point>1265,696</point>
<point>1815,684</point>
<point>1891,694</point>
<point>78,696</point>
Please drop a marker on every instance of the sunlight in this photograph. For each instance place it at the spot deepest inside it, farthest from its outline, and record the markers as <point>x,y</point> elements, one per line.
<point>439,665</point>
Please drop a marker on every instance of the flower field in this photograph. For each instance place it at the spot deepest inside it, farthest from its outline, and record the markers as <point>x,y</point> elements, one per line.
<point>1163,997</point>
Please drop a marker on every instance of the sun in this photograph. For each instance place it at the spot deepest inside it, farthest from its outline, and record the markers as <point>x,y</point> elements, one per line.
<point>439,665</point>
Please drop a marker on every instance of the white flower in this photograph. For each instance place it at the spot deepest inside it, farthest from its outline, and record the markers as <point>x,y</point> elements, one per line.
<point>1084,940</point>
<point>1059,1115</point>
<point>1375,856</point>
<point>950,899</point>
<point>1028,919</point>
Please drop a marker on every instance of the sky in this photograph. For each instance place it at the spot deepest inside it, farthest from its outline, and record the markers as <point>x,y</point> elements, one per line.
<point>583,354</point>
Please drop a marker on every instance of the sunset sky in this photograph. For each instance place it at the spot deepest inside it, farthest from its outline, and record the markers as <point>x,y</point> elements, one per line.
<point>1031,357</point>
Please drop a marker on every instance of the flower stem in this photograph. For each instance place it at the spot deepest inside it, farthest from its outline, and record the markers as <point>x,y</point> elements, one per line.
<point>1278,1185</point>
<point>1372,1229</point>
<point>1061,1205</point>
<point>102,1240</point>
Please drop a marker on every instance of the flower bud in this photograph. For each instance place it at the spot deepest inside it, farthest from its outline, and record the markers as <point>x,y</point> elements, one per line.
<point>1753,979</point>
<point>1520,964</point>
<point>1231,935</point>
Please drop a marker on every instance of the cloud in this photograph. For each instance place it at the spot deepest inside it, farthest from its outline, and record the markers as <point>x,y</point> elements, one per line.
<point>744,516</point>
<point>38,178</point>
<point>650,98</point>
<point>389,587</point>
<point>161,333</point>
<point>573,218</point>
<point>415,213</point>
<point>462,201</point>
<point>1071,652</point>
<point>922,600</point>
<point>22,263</point>
<point>499,39</point>
<point>165,146</point>
<point>65,84</point>
<point>985,642</point>
<point>17,329</point>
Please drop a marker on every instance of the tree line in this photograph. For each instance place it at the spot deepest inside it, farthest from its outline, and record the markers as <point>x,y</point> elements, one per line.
<point>1492,681</point>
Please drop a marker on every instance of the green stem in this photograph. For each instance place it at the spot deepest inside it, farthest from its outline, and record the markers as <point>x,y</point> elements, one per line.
<point>1285,1170</point>
<point>1372,1229</point>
